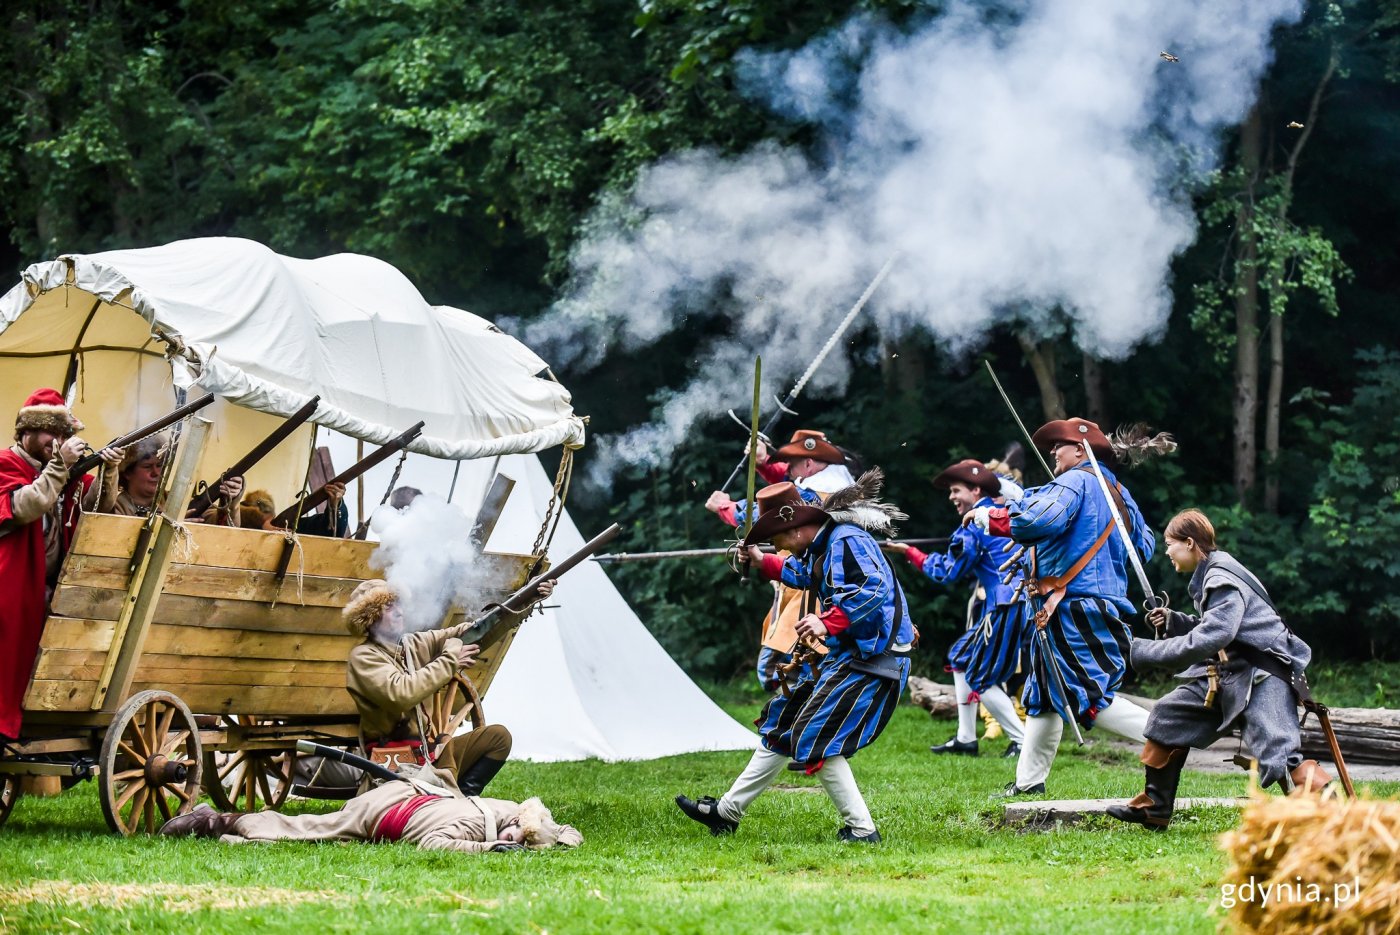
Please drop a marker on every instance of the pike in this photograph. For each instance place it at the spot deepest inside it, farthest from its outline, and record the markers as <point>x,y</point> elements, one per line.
<point>88,462</point>
<point>752,507</point>
<point>785,405</point>
<point>210,494</point>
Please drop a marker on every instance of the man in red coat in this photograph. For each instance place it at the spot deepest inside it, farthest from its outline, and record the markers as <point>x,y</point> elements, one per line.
<point>39,510</point>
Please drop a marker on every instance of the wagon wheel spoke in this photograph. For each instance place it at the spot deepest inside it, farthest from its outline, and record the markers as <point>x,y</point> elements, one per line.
<point>233,763</point>
<point>162,734</point>
<point>173,740</point>
<point>128,793</point>
<point>181,794</point>
<point>148,729</point>
<point>137,801</point>
<point>265,786</point>
<point>124,747</point>
<point>150,811</point>
<point>127,775</point>
<point>163,804</point>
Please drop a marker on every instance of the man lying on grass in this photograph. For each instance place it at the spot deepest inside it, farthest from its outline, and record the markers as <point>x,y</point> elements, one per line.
<point>416,813</point>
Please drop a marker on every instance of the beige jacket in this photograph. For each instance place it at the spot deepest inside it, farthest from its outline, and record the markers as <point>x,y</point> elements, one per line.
<point>386,682</point>
<point>39,500</point>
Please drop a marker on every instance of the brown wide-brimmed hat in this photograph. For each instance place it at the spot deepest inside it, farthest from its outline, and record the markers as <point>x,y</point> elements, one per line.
<point>809,443</point>
<point>780,508</point>
<point>1074,431</point>
<point>972,473</point>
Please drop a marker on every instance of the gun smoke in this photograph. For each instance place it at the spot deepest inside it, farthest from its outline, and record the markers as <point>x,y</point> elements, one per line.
<point>1030,163</point>
<point>426,553</point>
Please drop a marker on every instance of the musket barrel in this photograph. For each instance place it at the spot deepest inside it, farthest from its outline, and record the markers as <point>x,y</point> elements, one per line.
<point>88,462</point>
<point>319,496</point>
<point>243,465</point>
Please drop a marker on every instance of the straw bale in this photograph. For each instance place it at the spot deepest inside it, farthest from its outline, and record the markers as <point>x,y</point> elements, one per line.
<point>1314,864</point>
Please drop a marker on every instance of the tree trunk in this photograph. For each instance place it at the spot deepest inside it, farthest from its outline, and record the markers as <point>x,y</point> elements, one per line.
<point>1273,413</point>
<point>1095,397</point>
<point>1246,289</point>
<point>1041,357</point>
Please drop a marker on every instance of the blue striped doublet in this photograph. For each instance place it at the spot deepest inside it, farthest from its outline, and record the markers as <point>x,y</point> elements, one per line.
<point>990,652</point>
<point>835,714</point>
<point>1089,644</point>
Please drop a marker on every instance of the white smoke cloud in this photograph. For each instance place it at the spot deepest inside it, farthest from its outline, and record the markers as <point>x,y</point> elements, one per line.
<point>1036,168</point>
<point>426,553</point>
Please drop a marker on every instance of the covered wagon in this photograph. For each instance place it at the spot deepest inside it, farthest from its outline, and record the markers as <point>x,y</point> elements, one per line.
<point>176,654</point>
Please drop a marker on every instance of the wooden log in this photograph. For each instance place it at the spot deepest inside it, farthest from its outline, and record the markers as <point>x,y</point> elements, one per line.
<point>1366,735</point>
<point>939,700</point>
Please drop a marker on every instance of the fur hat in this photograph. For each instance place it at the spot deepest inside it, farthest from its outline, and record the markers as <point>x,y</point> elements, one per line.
<point>809,443</point>
<point>859,505</point>
<point>366,605</point>
<point>45,411</point>
<point>152,446</point>
<point>256,508</point>
<point>538,824</point>
<point>970,473</point>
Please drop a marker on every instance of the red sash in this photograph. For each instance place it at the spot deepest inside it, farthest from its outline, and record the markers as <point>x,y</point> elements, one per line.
<point>391,825</point>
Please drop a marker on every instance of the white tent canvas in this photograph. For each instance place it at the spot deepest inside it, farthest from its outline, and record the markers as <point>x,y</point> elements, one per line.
<point>584,678</point>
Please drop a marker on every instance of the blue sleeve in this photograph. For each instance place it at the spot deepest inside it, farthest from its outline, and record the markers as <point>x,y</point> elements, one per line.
<point>795,574</point>
<point>958,562</point>
<point>860,583</point>
<point>1046,511</point>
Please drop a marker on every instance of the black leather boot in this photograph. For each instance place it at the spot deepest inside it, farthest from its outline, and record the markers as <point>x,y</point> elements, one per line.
<point>1153,807</point>
<point>706,811</point>
<point>956,747</point>
<point>475,778</point>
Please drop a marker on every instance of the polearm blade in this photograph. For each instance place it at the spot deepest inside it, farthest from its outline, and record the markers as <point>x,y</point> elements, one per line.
<point>796,391</point>
<point>1153,600</point>
<point>1024,431</point>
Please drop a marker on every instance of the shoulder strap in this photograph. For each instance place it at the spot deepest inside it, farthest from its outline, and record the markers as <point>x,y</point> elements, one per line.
<point>1059,582</point>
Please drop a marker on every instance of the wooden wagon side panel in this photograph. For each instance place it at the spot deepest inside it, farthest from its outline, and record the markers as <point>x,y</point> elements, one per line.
<point>227,636</point>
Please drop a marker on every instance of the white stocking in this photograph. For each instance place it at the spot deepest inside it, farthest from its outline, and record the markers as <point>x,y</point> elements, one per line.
<point>1004,711</point>
<point>1038,750</point>
<point>967,713</point>
<point>763,768</point>
<point>1124,718</point>
<point>840,785</point>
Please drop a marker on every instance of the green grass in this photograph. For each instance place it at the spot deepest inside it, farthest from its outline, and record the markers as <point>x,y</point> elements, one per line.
<point>946,865</point>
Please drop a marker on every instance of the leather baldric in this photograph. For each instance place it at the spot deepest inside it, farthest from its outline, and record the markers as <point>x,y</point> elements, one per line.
<point>1055,586</point>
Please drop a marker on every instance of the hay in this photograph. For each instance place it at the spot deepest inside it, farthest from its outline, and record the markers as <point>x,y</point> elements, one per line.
<point>1317,865</point>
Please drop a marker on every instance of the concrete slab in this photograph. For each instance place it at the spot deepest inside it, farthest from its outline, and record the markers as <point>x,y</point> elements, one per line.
<point>1046,811</point>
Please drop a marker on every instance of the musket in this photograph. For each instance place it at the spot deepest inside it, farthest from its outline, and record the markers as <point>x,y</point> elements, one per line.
<point>519,602</point>
<point>349,759</point>
<point>785,405</point>
<point>319,496</point>
<point>1153,599</point>
<point>208,496</point>
<point>619,558</point>
<point>88,462</point>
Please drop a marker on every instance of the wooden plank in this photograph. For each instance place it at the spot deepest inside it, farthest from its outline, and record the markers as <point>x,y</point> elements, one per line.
<point>267,700</point>
<point>151,566</point>
<point>239,585</point>
<point>82,665</point>
<point>1071,810</point>
<point>197,642</point>
<point>105,603</point>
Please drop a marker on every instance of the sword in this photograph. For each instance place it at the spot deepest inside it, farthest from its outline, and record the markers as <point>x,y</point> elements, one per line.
<point>1059,681</point>
<point>1154,600</point>
<point>785,405</point>
<point>1024,431</point>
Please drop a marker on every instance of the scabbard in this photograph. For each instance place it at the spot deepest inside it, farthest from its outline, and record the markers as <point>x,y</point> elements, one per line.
<point>1324,719</point>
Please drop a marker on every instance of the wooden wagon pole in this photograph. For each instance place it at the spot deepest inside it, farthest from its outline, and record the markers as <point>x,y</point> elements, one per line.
<point>147,582</point>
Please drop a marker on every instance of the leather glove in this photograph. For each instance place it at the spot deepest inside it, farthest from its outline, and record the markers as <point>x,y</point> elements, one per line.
<point>507,846</point>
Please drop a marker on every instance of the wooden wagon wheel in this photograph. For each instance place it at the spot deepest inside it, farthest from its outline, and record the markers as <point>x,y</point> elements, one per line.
<point>249,780</point>
<point>10,792</point>
<point>150,763</point>
<point>448,710</point>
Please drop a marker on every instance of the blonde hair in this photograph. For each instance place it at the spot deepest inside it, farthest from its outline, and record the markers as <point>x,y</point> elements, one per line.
<point>538,824</point>
<point>1193,525</point>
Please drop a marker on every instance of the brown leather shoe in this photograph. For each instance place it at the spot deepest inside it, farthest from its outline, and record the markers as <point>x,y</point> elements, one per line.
<point>203,822</point>
<point>1309,778</point>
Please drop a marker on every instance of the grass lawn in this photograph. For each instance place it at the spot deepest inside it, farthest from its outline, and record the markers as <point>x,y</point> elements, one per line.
<point>945,865</point>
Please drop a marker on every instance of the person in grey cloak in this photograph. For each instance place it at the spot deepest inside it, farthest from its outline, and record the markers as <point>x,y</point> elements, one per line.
<point>1230,647</point>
